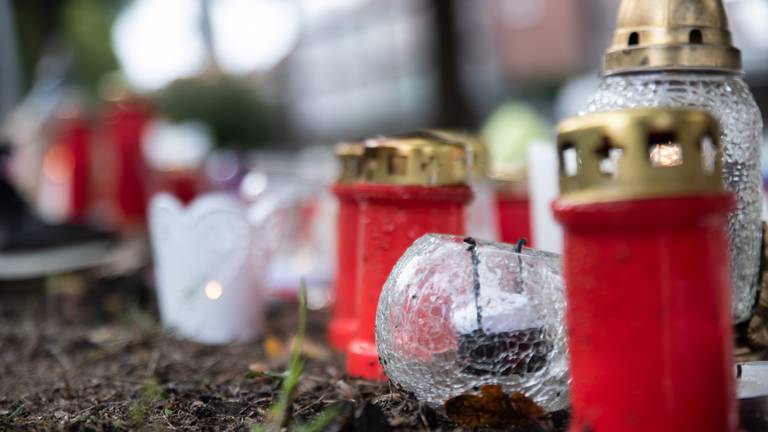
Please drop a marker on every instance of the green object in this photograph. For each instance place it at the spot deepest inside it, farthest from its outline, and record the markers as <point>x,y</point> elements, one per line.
<point>508,132</point>
<point>87,25</point>
<point>281,412</point>
<point>229,106</point>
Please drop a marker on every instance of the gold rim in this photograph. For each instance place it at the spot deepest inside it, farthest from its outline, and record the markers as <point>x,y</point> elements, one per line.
<point>415,159</point>
<point>350,160</point>
<point>639,153</point>
<point>477,151</point>
<point>672,34</point>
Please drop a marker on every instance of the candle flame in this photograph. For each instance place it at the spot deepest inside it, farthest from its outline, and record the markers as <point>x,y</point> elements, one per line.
<point>58,163</point>
<point>666,155</point>
<point>213,290</point>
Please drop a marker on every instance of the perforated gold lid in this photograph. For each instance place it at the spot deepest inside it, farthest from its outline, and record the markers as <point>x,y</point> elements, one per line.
<point>477,151</point>
<point>414,159</point>
<point>671,35</point>
<point>639,153</point>
<point>350,156</point>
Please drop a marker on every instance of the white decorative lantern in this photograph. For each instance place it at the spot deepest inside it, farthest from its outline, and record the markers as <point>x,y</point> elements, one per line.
<point>208,269</point>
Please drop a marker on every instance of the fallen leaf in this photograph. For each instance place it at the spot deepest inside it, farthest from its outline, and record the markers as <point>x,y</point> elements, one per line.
<point>275,348</point>
<point>312,350</point>
<point>493,409</point>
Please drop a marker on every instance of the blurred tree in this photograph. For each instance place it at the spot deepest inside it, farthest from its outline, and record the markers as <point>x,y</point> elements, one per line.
<point>87,27</point>
<point>237,116</point>
<point>454,110</point>
<point>82,26</point>
<point>36,22</point>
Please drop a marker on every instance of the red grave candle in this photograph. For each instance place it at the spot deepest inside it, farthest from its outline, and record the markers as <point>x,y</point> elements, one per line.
<point>411,185</point>
<point>646,271</point>
<point>124,122</point>
<point>69,160</point>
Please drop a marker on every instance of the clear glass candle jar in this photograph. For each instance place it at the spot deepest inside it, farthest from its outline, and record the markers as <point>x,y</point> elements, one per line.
<point>727,96</point>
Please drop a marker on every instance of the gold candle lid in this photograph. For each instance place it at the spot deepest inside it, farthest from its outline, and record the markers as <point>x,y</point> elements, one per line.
<point>671,35</point>
<point>638,153</point>
<point>350,158</point>
<point>415,159</point>
<point>477,151</point>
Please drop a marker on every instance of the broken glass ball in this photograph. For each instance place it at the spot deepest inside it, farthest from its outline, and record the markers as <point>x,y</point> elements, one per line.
<point>456,314</point>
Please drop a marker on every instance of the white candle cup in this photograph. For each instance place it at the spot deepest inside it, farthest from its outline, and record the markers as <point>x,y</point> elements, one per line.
<point>209,269</point>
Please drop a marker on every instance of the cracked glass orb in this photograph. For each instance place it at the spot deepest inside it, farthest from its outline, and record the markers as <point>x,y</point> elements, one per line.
<point>457,313</point>
<point>728,97</point>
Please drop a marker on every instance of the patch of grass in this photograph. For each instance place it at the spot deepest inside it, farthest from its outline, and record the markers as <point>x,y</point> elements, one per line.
<point>280,414</point>
<point>137,414</point>
<point>151,392</point>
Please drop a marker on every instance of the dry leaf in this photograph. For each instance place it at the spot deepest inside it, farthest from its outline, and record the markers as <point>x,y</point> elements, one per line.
<point>312,350</point>
<point>275,348</point>
<point>493,409</point>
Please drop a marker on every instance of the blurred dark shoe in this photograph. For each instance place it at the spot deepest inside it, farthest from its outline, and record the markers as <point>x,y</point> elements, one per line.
<point>31,248</point>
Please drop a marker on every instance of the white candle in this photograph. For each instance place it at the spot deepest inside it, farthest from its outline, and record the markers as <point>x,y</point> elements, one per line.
<point>543,188</point>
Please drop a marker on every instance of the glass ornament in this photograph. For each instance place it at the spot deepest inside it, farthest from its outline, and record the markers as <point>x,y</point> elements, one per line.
<point>456,314</point>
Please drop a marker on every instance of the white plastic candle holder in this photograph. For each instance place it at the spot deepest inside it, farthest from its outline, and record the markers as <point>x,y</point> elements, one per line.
<point>209,270</point>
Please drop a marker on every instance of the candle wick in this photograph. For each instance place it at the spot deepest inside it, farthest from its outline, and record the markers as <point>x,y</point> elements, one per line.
<point>475,280</point>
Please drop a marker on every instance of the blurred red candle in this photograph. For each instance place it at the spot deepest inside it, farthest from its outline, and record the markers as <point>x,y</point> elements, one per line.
<point>124,119</point>
<point>342,325</point>
<point>66,165</point>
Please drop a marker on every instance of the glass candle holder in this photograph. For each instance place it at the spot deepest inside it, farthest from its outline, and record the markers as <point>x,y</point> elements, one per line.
<point>727,96</point>
<point>456,314</point>
<point>680,54</point>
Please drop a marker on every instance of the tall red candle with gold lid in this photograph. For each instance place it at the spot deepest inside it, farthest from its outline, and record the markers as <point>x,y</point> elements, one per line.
<point>411,185</point>
<point>646,272</point>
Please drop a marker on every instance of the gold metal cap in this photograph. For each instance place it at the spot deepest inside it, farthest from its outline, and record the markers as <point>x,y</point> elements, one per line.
<point>415,159</point>
<point>639,153</point>
<point>671,35</point>
<point>350,156</point>
<point>477,151</point>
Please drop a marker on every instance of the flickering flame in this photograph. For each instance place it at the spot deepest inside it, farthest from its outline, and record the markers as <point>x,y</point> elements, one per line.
<point>213,290</point>
<point>666,155</point>
<point>58,163</point>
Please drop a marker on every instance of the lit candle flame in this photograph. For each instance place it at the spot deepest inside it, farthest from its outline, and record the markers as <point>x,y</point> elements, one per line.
<point>58,163</point>
<point>666,155</point>
<point>213,290</point>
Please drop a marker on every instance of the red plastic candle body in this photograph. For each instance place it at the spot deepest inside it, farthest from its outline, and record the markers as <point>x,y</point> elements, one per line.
<point>514,217</point>
<point>342,325</point>
<point>73,139</point>
<point>649,314</point>
<point>124,122</point>
<point>391,218</point>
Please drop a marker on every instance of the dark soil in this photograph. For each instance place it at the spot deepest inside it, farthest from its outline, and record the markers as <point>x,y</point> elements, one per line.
<point>66,364</point>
